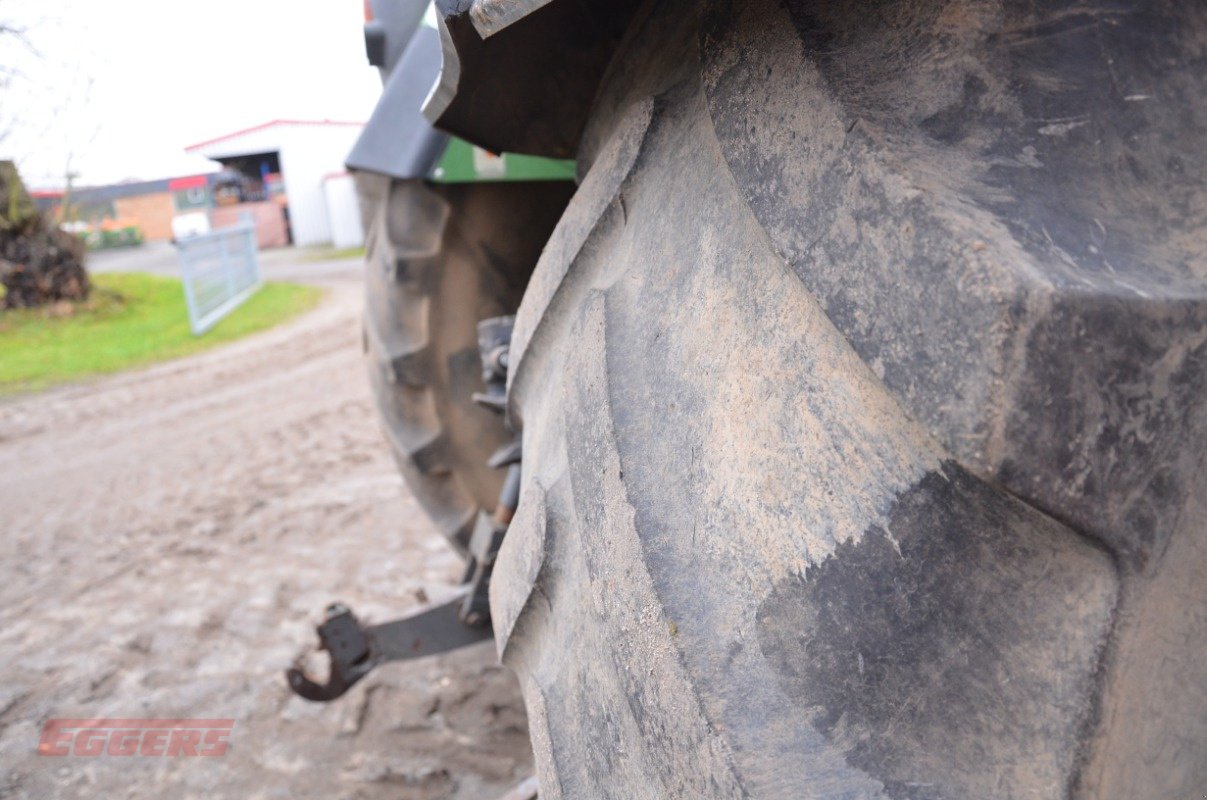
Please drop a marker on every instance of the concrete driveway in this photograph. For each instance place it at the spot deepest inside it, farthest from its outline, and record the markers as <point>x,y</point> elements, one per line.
<point>279,264</point>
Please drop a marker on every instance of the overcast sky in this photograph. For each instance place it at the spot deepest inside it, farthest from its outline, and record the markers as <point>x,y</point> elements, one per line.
<point>123,86</point>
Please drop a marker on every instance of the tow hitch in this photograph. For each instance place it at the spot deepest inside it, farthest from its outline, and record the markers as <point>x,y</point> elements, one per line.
<point>354,649</point>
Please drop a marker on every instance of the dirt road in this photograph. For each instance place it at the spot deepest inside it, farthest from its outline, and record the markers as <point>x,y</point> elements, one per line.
<point>169,537</point>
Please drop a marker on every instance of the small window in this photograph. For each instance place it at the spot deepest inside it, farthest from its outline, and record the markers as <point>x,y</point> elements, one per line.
<point>192,199</point>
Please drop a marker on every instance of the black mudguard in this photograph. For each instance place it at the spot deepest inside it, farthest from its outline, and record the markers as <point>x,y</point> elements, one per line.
<point>398,141</point>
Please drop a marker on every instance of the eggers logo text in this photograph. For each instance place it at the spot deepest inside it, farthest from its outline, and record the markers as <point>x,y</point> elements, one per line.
<point>168,738</point>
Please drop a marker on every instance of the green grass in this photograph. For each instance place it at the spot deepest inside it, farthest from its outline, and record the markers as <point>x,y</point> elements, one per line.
<point>131,320</point>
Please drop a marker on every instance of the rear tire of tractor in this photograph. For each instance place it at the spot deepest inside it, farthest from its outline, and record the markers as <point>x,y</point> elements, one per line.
<point>440,258</point>
<point>823,485</point>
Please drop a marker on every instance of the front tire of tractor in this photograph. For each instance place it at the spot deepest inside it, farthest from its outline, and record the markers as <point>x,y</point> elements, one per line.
<point>440,258</point>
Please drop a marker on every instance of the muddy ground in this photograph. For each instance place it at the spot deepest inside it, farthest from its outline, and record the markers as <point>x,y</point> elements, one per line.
<point>169,538</point>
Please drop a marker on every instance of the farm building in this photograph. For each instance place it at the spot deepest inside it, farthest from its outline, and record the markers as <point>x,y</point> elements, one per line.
<point>147,204</point>
<point>303,156</point>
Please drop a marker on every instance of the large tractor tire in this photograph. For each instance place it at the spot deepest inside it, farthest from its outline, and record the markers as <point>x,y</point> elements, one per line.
<point>440,258</point>
<point>863,392</point>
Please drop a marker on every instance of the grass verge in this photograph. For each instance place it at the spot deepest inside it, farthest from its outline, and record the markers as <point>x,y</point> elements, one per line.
<point>131,320</point>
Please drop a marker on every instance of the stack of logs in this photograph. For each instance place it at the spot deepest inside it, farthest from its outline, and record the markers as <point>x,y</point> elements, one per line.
<point>39,263</point>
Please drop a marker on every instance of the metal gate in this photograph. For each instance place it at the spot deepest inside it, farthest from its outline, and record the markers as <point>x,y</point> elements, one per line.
<point>219,270</point>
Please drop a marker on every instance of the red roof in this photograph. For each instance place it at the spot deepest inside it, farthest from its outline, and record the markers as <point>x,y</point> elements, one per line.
<point>191,182</point>
<point>262,126</point>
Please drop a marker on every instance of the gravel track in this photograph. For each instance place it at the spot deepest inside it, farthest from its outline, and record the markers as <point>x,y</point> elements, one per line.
<point>170,536</point>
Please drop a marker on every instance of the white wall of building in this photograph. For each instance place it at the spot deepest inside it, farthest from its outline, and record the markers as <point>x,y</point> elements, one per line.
<point>308,154</point>
<point>308,151</point>
<point>343,211</point>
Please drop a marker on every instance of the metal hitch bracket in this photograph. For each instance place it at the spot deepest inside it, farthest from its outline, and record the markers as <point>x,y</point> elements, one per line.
<point>355,649</point>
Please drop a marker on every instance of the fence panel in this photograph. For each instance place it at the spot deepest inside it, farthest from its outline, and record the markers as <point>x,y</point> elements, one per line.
<point>219,271</point>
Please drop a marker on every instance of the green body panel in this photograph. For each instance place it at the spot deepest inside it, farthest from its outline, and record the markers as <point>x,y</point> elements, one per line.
<point>463,162</point>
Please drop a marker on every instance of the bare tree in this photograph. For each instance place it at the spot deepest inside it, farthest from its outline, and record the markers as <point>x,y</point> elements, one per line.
<point>39,263</point>
<point>13,38</point>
